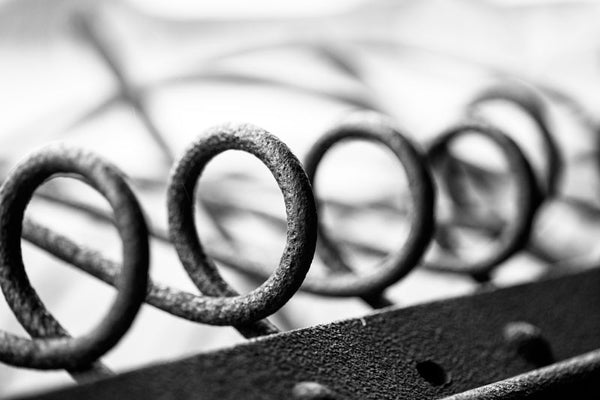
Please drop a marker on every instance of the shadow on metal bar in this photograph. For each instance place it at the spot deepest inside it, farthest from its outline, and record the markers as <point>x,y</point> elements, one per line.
<point>578,377</point>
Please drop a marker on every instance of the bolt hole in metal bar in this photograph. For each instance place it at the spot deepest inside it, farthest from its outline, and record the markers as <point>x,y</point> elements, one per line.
<point>433,373</point>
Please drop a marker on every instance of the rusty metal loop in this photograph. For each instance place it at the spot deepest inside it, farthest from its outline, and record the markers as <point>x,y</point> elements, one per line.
<point>529,197</point>
<point>52,348</point>
<point>224,306</point>
<point>533,105</point>
<point>394,267</point>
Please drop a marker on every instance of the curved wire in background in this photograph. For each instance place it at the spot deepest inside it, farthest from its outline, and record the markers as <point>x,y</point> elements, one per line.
<point>51,347</point>
<point>533,105</point>
<point>514,237</point>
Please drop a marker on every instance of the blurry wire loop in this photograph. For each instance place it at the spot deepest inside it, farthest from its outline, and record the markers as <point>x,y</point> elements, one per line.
<point>533,100</point>
<point>395,266</point>
<point>527,99</point>
<point>513,237</point>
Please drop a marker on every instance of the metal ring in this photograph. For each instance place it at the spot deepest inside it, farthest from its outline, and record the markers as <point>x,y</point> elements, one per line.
<point>514,237</point>
<point>223,304</point>
<point>527,100</point>
<point>16,192</point>
<point>397,265</point>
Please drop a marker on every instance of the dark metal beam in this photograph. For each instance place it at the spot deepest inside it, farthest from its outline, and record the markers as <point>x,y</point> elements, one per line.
<point>422,352</point>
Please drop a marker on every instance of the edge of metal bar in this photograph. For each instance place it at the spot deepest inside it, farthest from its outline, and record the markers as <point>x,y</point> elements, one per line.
<point>444,348</point>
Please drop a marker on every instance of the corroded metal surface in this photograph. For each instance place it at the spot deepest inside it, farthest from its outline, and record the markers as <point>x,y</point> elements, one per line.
<point>218,304</point>
<point>222,304</point>
<point>423,352</point>
<point>52,348</point>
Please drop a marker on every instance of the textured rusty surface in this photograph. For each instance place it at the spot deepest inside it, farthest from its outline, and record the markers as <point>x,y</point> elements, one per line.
<point>52,348</point>
<point>377,357</point>
<point>218,303</point>
<point>223,305</point>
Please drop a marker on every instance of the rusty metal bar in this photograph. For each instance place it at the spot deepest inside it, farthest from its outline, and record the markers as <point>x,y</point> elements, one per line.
<point>422,352</point>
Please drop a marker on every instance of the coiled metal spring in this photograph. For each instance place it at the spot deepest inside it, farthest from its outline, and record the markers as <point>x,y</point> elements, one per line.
<point>51,347</point>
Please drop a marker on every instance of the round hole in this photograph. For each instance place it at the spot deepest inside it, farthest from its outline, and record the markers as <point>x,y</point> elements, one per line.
<point>433,373</point>
<point>529,343</point>
<point>312,391</point>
